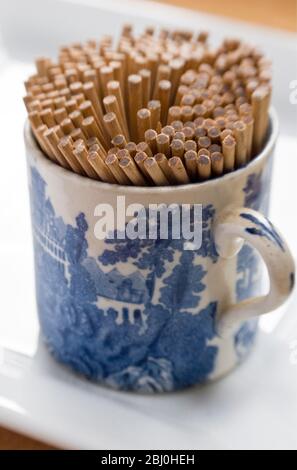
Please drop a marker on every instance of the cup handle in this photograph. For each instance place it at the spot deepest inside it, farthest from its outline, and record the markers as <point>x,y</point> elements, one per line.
<point>232,228</point>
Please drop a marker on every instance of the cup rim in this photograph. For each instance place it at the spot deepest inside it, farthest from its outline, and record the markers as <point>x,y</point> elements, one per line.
<point>32,145</point>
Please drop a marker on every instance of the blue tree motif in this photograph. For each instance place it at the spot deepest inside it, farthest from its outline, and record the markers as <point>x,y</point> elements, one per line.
<point>75,242</point>
<point>154,255</point>
<point>122,250</point>
<point>125,248</point>
<point>184,284</point>
<point>184,340</point>
<point>253,190</point>
<point>208,249</point>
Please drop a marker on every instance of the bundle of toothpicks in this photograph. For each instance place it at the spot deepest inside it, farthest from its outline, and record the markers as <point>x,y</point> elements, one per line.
<point>161,108</point>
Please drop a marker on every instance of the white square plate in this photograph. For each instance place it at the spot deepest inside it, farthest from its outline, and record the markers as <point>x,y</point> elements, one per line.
<point>253,408</point>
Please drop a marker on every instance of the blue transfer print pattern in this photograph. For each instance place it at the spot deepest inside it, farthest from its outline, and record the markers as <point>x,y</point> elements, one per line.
<point>247,273</point>
<point>266,230</point>
<point>292,281</point>
<point>248,261</point>
<point>121,329</point>
<point>257,191</point>
<point>256,196</point>
<point>253,191</point>
<point>245,338</point>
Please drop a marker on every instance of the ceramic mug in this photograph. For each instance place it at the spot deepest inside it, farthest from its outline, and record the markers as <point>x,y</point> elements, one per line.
<point>148,315</point>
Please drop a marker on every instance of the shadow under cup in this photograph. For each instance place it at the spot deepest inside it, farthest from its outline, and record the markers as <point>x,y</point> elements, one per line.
<point>141,314</point>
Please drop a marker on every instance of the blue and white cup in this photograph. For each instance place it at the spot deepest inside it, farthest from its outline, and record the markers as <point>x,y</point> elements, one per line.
<point>149,315</point>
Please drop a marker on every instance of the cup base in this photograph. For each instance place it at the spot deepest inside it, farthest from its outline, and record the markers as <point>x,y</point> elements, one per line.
<point>223,371</point>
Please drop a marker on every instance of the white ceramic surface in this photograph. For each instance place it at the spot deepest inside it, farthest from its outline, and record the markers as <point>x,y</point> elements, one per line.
<point>256,406</point>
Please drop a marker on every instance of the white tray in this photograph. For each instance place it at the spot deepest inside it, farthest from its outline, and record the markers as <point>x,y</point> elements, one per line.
<point>253,408</point>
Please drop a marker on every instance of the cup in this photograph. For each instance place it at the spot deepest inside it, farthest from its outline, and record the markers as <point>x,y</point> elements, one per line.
<point>149,315</point>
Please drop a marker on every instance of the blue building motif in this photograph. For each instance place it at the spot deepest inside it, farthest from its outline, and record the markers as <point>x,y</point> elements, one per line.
<point>116,328</point>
